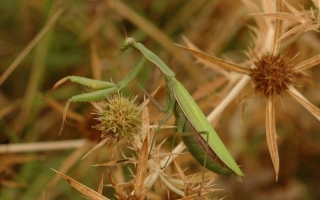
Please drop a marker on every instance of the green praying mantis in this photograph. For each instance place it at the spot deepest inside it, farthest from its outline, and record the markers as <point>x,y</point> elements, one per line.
<point>198,135</point>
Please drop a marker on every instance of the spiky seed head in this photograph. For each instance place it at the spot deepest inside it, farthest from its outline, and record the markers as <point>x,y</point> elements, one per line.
<point>273,75</point>
<point>118,117</point>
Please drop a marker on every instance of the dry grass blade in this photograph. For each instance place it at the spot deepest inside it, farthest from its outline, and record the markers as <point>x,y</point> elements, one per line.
<point>41,146</point>
<point>222,63</point>
<point>304,102</point>
<point>307,63</point>
<point>10,108</point>
<point>139,189</point>
<point>12,184</point>
<point>82,188</point>
<point>31,45</point>
<point>7,167</point>
<point>272,136</point>
<point>59,107</point>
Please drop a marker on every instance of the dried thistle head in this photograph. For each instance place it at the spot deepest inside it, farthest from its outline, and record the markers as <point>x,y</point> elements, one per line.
<point>306,19</point>
<point>273,75</point>
<point>118,117</point>
<point>270,72</point>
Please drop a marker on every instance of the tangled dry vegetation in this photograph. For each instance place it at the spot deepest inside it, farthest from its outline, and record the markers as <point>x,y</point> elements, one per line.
<point>252,66</point>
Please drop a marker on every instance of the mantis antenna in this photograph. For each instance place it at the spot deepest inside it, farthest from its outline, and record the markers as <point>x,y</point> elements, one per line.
<point>124,29</point>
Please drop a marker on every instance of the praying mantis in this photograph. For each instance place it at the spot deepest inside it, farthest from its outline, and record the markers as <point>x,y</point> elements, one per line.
<point>200,138</point>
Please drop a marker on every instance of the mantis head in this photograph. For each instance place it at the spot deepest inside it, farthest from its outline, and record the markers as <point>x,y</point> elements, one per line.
<point>127,43</point>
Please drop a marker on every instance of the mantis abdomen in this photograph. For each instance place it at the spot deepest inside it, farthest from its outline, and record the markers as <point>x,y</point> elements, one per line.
<point>197,146</point>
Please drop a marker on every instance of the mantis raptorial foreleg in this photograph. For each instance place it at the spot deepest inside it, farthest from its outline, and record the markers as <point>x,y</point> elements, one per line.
<point>103,88</point>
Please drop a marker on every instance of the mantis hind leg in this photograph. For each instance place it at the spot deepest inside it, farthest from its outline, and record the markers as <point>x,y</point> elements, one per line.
<point>193,134</point>
<point>179,126</point>
<point>152,99</point>
<point>166,110</point>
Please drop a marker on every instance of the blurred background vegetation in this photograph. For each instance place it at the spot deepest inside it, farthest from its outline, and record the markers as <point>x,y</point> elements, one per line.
<point>44,41</point>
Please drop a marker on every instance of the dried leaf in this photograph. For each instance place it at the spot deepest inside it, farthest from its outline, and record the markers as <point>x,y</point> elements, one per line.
<point>254,9</point>
<point>139,189</point>
<point>277,31</point>
<point>315,60</point>
<point>212,66</point>
<point>293,31</point>
<point>88,192</point>
<point>292,9</point>
<point>100,189</point>
<point>184,179</point>
<point>304,102</point>
<point>116,162</point>
<point>222,63</point>
<point>281,15</point>
<point>170,185</point>
<point>272,136</point>
<point>120,192</point>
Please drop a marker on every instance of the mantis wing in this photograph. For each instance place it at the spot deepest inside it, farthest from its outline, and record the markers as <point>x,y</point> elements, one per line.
<point>201,124</point>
